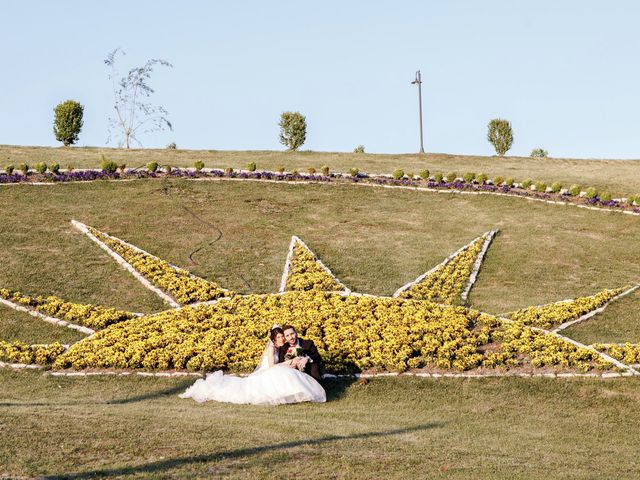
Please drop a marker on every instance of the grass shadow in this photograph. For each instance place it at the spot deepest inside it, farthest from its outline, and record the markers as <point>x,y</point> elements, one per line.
<point>181,387</point>
<point>160,466</point>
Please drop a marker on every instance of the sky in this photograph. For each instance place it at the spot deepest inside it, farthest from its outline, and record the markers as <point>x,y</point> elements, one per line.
<point>565,73</point>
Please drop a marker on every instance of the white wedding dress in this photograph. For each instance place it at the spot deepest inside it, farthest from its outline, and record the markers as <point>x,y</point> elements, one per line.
<point>265,386</point>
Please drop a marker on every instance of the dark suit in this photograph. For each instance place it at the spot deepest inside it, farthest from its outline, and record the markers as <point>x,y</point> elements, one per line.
<point>313,368</point>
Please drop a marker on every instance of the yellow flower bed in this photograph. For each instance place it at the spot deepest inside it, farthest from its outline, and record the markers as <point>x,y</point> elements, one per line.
<point>628,353</point>
<point>177,282</point>
<point>351,333</point>
<point>554,314</point>
<point>305,273</point>
<point>92,316</point>
<point>447,282</point>
<point>19,352</point>
<point>521,345</point>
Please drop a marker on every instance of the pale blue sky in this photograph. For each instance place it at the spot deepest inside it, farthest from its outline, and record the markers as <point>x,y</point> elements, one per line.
<point>566,73</point>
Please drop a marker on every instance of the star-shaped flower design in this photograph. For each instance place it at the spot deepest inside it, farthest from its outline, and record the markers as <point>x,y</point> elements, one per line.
<point>423,325</point>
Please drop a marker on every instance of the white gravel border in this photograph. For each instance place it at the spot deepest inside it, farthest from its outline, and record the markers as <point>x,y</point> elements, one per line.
<point>122,262</point>
<point>41,316</point>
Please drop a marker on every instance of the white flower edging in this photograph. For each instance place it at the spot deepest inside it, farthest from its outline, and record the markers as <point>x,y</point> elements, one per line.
<point>488,236</point>
<point>287,266</point>
<point>592,313</point>
<point>55,321</point>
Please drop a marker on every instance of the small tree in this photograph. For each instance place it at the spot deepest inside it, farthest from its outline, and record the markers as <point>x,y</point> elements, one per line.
<point>132,111</point>
<point>67,122</point>
<point>500,135</point>
<point>293,129</point>
<point>539,153</point>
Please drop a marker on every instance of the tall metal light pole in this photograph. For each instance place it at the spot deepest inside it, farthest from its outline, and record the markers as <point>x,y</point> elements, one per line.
<point>418,81</point>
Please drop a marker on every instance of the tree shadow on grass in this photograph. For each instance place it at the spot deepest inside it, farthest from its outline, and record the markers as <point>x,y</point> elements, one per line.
<point>159,466</point>
<point>179,388</point>
<point>336,387</point>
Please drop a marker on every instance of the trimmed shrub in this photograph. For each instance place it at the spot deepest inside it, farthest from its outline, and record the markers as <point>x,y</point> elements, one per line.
<point>469,177</point>
<point>451,176</point>
<point>293,130</point>
<point>228,171</point>
<point>592,192</point>
<point>41,167</point>
<point>9,169</point>
<point>498,181</point>
<point>354,172</point>
<point>539,153</point>
<point>527,183</point>
<point>398,174</point>
<point>281,169</point>
<point>500,135</point>
<point>410,175</point>
<point>251,166</point>
<point>198,165</point>
<point>630,199</point>
<point>556,187</point>
<point>109,166</point>
<point>359,149</point>
<point>168,168</point>
<point>55,168</point>
<point>152,167</point>
<point>67,122</point>
<point>122,167</point>
<point>70,168</point>
<point>325,170</point>
<point>24,168</point>
<point>541,187</point>
<point>424,174</point>
<point>311,170</point>
<point>605,196</point>
<point>509,182</point>
<point>482,178</point>
<point>575,190</point>
<point>438,177</point>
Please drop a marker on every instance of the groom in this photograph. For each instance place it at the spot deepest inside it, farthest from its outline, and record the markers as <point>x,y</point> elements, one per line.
<point>313,363</point>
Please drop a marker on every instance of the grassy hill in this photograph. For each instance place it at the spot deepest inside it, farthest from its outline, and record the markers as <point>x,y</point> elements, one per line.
<point>621,177</point>
<point>375,240</point>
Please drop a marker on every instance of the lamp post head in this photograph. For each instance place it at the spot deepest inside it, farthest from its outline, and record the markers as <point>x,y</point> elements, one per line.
<point>418,79</point>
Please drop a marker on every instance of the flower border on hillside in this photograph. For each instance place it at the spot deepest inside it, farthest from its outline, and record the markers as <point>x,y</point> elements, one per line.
<point>590,198</point>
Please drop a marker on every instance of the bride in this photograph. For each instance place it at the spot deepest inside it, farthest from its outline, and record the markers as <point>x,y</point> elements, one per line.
<point>272,383</point>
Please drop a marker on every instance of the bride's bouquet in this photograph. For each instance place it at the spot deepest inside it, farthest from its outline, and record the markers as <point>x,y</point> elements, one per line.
<point>297,352</point>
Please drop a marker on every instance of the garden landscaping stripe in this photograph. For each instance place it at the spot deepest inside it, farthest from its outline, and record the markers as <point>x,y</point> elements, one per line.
<point>287,266</point>
<point>478,264</point>
<point>55,321</point>
<point>617,363</point>
<point>592,313</point>
<point>407,286</point>
<point>122,262</point>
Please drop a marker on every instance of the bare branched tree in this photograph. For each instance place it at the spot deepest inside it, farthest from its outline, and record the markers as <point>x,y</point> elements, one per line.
<point>134,114</point>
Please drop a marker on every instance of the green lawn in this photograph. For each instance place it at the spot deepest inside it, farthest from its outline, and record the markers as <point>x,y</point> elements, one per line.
<point>403,427</point>
<point>375,240</point>
<point>621,177</point>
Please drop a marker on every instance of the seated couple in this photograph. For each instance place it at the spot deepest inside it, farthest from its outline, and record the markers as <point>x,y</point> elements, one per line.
<point>288,372</point>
